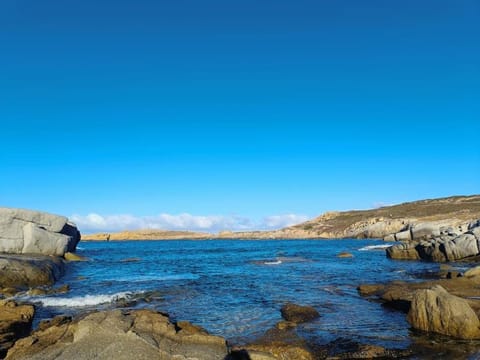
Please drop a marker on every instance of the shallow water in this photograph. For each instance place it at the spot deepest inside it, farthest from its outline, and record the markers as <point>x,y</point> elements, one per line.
<point>236,288</point>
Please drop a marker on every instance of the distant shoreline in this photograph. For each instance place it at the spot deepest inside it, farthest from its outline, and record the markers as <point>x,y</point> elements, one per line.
<point>391,223</point>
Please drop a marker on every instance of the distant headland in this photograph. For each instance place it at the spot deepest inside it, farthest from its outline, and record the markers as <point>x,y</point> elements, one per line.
<point>405,221</point>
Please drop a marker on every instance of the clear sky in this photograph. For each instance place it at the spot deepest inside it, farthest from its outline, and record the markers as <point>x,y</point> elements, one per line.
<point>243,114</point>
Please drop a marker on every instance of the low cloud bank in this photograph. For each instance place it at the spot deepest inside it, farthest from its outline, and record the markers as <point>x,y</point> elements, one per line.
<point>212,223</point>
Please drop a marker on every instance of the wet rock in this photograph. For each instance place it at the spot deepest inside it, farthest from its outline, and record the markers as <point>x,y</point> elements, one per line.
<point>29,270</point>
<point>345,255</point>
<point>348,349</point>
<point>435,310</point>
<point>41,291</point>
<point>280,342</point>
<point>140,334</point>
<point>74,257</point>
<point>370,289</point>
<point>15,322</point>
<point>298,313</point>
<point>473,272</point>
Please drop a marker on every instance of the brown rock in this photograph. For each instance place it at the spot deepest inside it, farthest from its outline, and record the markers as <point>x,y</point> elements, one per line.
<point>140,334</point>
<point>15,322</point>
<point>29,270</point>
<point>435,310</point>
<point>345,255</point>
<point>69,256</point>
<point>298,314</point>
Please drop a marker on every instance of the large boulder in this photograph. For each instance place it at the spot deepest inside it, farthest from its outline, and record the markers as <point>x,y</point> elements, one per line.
<point>15,322</point>
<point>34,232</point>
<point>435,310</point>
<point>25,271</point>
<point>138,334</point>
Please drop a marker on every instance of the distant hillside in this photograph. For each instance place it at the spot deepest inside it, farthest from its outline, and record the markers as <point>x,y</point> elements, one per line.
<point>146,235</point>
<point>452,212</point>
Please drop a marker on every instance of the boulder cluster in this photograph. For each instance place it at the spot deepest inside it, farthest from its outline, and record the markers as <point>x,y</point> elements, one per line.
<point>440,244</point>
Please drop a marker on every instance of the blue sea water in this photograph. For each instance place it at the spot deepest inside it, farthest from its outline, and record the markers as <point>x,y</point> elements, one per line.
<point>236,288</point>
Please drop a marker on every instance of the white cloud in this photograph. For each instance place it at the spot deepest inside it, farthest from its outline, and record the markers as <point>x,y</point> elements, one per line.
<point>212,223</point>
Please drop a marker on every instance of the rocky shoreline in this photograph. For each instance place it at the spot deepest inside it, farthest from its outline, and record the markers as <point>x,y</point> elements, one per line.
<point>40,244</point>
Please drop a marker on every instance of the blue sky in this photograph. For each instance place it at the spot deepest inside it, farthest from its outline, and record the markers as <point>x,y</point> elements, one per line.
<point>235,114</point>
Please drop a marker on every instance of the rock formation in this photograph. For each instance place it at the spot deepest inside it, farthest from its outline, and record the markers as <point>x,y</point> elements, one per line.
<point>34,232</point>
<point>15,322</point>
<point>25,271</point>
<point>140,334</point>
<point>435,310</point>
<point>439,246</point>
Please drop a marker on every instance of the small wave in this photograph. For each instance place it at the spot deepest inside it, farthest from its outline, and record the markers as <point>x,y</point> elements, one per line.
<point>374,247</point>
<point>80,248</point>
<point>276,262</point>
<point>81,301</point>
<point>145,278</point>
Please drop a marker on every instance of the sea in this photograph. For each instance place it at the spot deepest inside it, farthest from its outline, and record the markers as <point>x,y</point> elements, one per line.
<point>235,288</point>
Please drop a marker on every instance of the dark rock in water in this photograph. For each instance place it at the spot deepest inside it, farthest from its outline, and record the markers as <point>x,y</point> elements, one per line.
<point>280,342</point>
<point>140,334</point>
<point>40,291</point>
<point>15,322</point>
<point>348,349</point>
<point>299,314</point>
<point>345,255</point>
<point>29,270</point>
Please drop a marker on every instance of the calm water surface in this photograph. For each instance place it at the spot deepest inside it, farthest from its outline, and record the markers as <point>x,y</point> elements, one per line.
<point>236,288</point>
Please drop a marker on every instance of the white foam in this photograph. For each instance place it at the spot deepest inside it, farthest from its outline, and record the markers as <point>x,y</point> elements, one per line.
<point>80,301</point>
<point>277,262</point>
<point>375,247</point>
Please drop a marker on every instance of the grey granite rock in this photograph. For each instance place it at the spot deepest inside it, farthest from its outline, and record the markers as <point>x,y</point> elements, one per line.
<point>35,232</point>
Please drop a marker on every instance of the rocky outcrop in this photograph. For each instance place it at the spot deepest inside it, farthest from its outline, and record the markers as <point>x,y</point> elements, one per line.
<point>435,310</point>
<point>25,271</point>
<point>15,322</point>
<point>140,334</point>
<point>34,232</point>
<point>442,247</point>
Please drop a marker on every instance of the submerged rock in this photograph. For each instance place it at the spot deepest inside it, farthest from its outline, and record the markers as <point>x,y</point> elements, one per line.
<point>348,349</point>
<point>298,314</point>
<point>34,232</point>
<point>435,310</point>
<point>15,322</point>
<point>140,334</point>
<point>345,255</point>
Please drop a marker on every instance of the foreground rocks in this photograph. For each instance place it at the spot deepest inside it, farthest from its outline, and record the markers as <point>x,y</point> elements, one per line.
<point>141,334</point>
<point>449,306</point>
<point>441,247</point>
<point>15,322</point>
<point>34,232</point>
<point>435,310</point>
